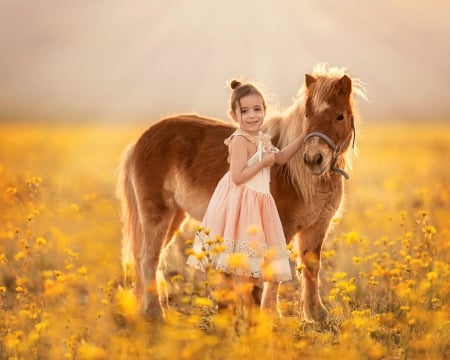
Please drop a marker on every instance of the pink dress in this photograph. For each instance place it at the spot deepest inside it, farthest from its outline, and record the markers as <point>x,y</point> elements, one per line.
<point>241,231</point>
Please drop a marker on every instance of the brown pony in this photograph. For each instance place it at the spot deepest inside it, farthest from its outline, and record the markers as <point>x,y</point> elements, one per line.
<point>174,167</point>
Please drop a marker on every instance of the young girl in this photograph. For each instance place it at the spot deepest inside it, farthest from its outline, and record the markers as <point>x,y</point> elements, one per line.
<point>242,212</point>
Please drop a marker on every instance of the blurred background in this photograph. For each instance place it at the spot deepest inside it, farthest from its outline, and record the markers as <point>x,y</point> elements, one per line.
<point>118,61</point>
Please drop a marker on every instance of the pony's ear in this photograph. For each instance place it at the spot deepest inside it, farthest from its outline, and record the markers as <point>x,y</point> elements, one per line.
<point>346,85</point>
<point>309,80</point>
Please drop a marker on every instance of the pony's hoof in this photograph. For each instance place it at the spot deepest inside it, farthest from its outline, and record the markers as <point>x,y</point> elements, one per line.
<point>153,314</point>
<point>318,314</point>
<point>322,314</point>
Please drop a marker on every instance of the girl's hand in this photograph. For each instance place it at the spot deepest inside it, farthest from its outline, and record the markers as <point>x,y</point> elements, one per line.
<point>268,159</point>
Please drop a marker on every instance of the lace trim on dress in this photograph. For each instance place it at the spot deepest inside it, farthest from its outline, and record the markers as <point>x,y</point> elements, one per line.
<point>255,260</point>
<point>252,258</point>
<point>255,249</point>
<point>251,268</point>
<point>271,269</point>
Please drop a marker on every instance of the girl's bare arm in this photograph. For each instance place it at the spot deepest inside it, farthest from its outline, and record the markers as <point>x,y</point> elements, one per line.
<point>284,155</point>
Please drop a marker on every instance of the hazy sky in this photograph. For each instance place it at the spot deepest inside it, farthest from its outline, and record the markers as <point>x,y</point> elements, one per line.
<point>126,60</point>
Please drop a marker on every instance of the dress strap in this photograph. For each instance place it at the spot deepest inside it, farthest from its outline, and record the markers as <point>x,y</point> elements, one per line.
<point>261,141</point>
<point>254,139</point>
<point>227,141</point>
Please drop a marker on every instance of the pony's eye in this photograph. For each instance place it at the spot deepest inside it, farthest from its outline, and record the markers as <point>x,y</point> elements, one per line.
<point>340,117</point>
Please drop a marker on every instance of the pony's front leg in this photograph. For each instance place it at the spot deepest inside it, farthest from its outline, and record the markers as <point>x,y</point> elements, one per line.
<point>309,261</point>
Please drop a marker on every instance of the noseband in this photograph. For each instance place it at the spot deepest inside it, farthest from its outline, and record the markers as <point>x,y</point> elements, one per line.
<point>336,148</point>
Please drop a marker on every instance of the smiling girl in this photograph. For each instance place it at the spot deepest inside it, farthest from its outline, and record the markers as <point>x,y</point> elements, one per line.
<point>242,210</point>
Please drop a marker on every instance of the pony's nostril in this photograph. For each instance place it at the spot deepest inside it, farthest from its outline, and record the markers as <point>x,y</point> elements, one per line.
<point>305,159</point>
<point>319,159</point>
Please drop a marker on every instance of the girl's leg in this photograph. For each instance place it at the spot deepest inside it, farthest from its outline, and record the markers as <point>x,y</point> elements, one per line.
<point>269,297</point>
<point>245,302</point>
<point>243,286</point>
<point>226,296</point>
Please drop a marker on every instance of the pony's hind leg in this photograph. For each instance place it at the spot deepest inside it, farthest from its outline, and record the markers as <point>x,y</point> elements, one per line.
<point>172,259</point>
<point>156,219</point>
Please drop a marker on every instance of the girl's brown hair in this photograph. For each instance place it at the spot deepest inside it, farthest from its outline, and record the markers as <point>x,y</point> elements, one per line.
<point>240,90</point>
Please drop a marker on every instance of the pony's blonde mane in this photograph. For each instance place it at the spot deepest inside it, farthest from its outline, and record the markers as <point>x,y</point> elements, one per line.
<point>288,125</point>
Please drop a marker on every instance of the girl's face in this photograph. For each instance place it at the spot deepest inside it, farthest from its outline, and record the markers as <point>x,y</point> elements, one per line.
<point>250,115</point>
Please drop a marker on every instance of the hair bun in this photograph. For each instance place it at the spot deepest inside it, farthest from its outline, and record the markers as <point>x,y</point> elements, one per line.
<point>234,84</point>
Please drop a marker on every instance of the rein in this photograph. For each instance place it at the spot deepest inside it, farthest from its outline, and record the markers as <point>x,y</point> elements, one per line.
<point>336,148</point>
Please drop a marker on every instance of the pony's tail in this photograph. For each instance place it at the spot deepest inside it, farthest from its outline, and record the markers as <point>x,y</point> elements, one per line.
<point>129,216</point>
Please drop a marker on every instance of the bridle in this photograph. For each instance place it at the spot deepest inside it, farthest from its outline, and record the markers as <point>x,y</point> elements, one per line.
<point>336,148</point>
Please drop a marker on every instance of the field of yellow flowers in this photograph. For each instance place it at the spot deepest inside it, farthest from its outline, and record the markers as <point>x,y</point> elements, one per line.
<point>385,271</point>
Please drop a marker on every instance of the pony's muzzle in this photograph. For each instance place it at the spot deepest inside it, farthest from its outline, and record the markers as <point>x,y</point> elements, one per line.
<point>316,161</point>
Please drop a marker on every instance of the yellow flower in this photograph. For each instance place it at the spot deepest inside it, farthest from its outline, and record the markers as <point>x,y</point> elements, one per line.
<point>339,275</point>
<point>82,270</point>
<point>74,207</point>
<point>71,253</point>
<point>91,352</point>
<point>12,340</point>
<point>40,241</point>
<point>11,190</point>
<point>20,255</point>
<point>334,291</point>
<point>218,249</point>
<point>346,299</point>
<point>202,301</point>
<point>36,179</point>
<point>432,275</point>
<point>236,260</point>
<point>424,213</point>
<point>269,272</point>
<point>41,326</point>
<point>351,237</point>
<point>328,254</point>
<point>253,229</point>
<point>53,288</point>
<point>200,255</point>
<point>376,351</point>
<point>26,314</point>
<point>127,303</point>
<point>176,278</point>
<point>429,231</point>
<point>436,302</point>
